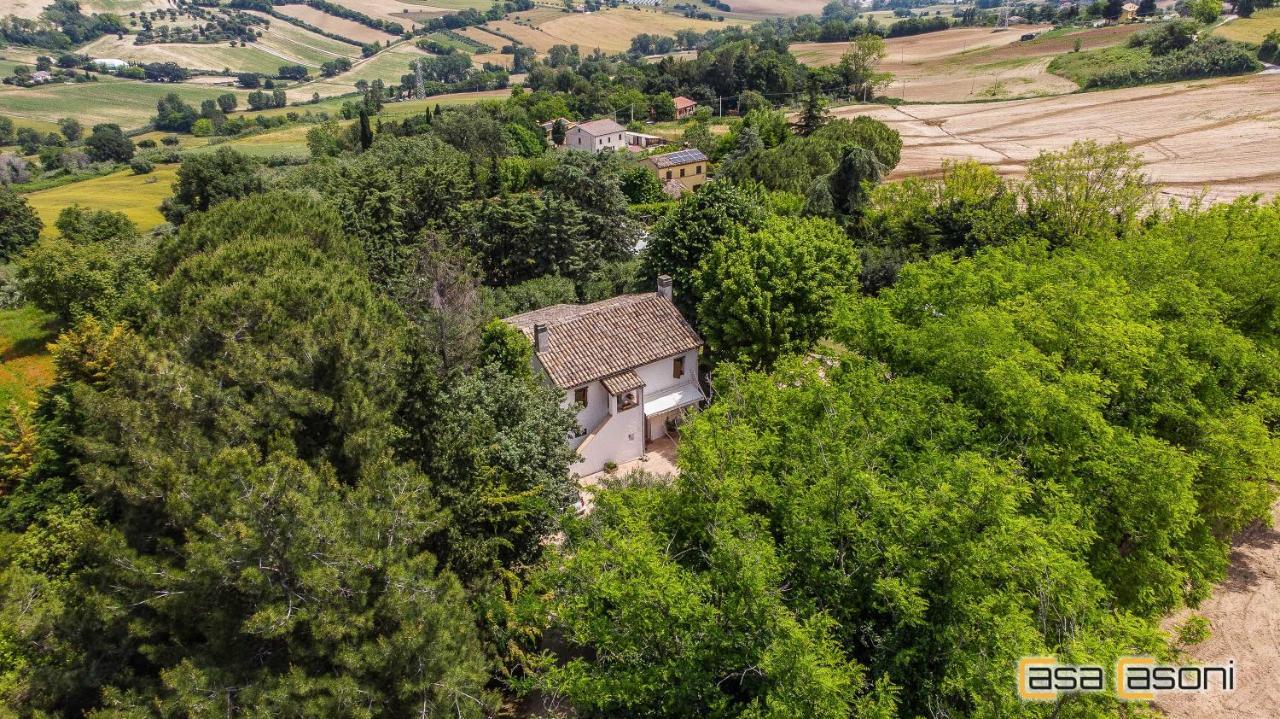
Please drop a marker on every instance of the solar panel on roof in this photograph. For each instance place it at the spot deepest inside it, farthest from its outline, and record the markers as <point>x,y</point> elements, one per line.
<point>681,157</point>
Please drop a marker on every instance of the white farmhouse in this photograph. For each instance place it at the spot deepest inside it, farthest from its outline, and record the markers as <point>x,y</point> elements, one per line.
<point>630,364</point>
<point>596,136</point>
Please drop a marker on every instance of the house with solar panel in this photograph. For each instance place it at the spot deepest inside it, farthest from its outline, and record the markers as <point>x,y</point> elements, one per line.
<point>629,365</point>
<point>680,171</point>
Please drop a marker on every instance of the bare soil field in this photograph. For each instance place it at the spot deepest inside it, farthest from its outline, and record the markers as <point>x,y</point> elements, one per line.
<point>1218,137</point>
<point>331,23</point>
<point>972,63</point>
<point>612,30</point>
<point>1244,618</point>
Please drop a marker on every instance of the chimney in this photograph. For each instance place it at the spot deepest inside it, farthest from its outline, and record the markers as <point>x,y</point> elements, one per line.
<point>539,337</point>
<point>664,286</point>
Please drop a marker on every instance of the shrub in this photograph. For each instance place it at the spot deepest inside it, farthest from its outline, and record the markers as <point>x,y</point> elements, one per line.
<point>147,144</point>
<point>141,166</point>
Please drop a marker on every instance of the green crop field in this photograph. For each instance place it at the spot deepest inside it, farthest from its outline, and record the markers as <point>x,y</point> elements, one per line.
<point>137,196</point>
<point>286,141</point>
<point>1251,29</point>
<point>25,364</point>
<point>130,104</point>
<point>1080,67</point>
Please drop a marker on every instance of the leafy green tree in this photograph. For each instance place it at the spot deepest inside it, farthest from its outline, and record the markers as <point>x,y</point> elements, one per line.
<point>681,239</point>
<point>204,180</point>
<point>19,224</point>
<point>832,531</point>
<point>771,292</point>
<point>174,115</point>
<point>71,129</point>
<point>1085,191</point>
<point>968,208</point>
<point>641,185</point>
<point>7,136</point>
<point>1110,371</point>
<point>97,266</point>
<point>506,348</point>
<point>227,102</point>
<point>1206,11</point>
<point>108,143</point>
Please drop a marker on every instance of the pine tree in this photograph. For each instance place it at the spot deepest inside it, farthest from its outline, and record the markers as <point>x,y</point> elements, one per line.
<point>814,114</point>
<point>366,134</point>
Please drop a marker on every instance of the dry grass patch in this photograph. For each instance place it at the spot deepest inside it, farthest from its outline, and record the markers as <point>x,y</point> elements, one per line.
<point>612,30</point>
<point>1251,29</point>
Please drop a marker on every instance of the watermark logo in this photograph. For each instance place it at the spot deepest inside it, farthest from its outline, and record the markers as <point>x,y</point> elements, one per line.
<point>1134,678</point>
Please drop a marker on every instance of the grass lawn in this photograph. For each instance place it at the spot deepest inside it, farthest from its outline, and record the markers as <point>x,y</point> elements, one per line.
<point>1251,29</point>
<point>25,364</point>
<point>137,196</point>
<point>1080,67</point>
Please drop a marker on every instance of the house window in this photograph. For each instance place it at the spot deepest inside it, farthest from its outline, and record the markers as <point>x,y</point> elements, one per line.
<point>677,368</point>
<point>627,400</point>
<point>668,174</point>
<point>580,396</point>
<point>697,170</point>
<point>682,172</point>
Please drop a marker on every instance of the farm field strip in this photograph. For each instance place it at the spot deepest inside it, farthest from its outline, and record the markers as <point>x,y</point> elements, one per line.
<point>251,58</point>
<point>1207,136</point>
<point>131,104</point>
<point>612,30</point>
<point>334,24</point>
<point>530,36</point>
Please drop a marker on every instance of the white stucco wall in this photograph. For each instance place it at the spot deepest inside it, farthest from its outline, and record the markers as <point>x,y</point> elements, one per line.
<point>596,410</point>
<point>620,440</point>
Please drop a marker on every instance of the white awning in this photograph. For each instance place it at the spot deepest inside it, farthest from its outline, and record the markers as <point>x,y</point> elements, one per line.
<point>674,398</point>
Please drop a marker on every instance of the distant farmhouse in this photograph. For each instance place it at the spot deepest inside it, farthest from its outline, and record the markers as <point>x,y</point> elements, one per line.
<point>685,107</point>
<point>629,364</point>
<point>596,136</point>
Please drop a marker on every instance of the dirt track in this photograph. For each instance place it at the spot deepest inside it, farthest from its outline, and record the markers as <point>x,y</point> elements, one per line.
<point>1244,614</point>
<point>1220,136</point>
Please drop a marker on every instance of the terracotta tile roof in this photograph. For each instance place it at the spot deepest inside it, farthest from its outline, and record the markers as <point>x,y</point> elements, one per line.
<point>621,382</point>
<point>683,102</point>
<point>597,128</point>
<point>586,343</point>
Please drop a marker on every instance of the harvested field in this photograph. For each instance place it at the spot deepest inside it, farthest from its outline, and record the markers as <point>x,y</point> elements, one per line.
<point>307,46</point>
<point>530,36</point>
<point>1219,136</point>
<point>777,8</point>
<point>975,63</point>
<point>252,58</point>
<point>538,15</point>
<point>393,10</point>
<point>1244,620</point>
<point>612,30</point>
<point>331,23</point>
<point>476,34</point>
